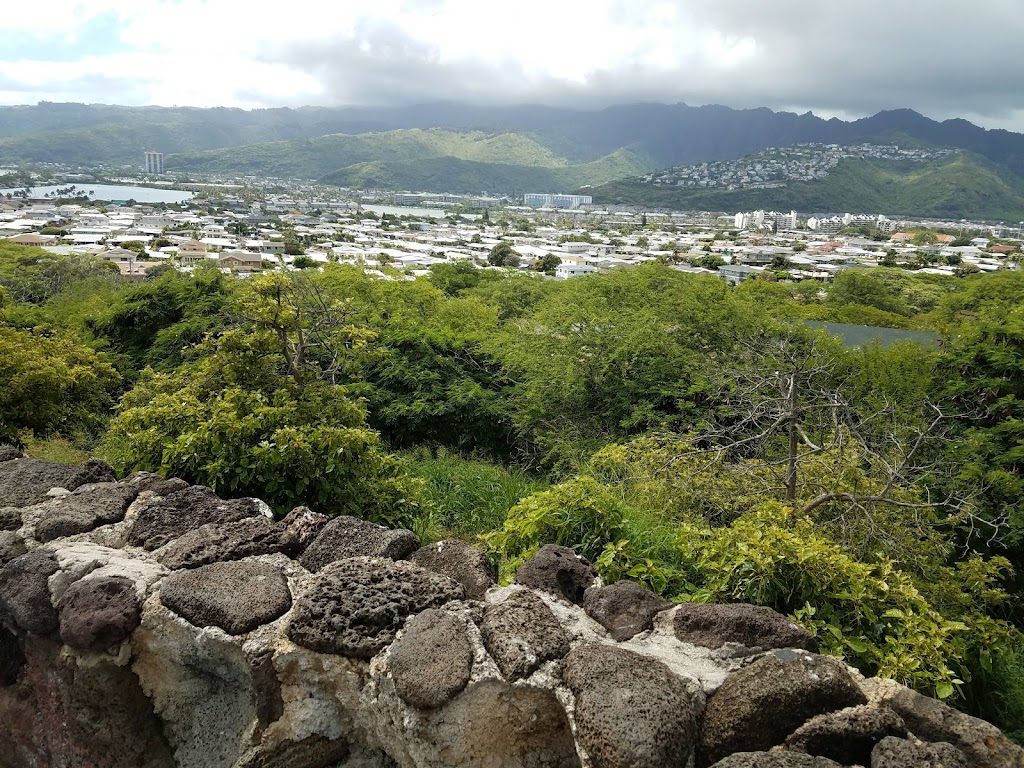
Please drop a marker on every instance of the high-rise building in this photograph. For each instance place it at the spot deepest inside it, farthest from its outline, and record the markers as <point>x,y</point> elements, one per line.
<point>154,162</point>
<point>534,200</point>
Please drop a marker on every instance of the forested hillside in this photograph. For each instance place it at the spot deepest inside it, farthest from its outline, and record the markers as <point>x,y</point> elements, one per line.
<point>693,436</point>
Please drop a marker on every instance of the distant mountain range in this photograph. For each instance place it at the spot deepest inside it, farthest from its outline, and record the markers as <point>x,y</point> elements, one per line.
<point>462,148</point>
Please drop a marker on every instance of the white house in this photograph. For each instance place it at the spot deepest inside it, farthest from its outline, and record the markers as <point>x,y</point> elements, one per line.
<point>565,271</point>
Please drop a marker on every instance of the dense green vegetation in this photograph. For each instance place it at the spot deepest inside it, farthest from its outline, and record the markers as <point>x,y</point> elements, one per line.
<point>696,437</point>
<point>961,185</point>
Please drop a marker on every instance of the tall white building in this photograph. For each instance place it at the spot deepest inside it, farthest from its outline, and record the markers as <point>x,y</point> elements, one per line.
<point>154,162</point>
<point>536,200</point>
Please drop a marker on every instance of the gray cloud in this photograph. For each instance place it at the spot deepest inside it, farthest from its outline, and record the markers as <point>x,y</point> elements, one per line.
<point>942,57</point>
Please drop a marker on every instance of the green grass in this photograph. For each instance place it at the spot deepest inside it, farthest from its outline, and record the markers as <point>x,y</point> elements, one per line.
<point>466,497</point>
<point>54,448</point>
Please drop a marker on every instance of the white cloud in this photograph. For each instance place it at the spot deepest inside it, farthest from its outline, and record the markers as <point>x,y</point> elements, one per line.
<point>937,57</point>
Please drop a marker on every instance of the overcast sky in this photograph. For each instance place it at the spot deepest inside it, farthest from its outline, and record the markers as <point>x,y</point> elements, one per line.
<point>944,58</point>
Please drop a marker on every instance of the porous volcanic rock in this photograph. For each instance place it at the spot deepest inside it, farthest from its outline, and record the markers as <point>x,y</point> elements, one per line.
<point>10,453</point>
<point>930,720</point>
<point>753,626</point>
<point>314,751</point>
<point>631,710</point>
<point>357,606</point>
<point>432,660</point>
<point>25,594</point>
<point>216,542</point>
<point>305,525</point>
<point>236,596</point>
<point>85,509</point>
<point>458,560</point>
<point>624,608</point>
<point>24,482</point>
<point>558,571</point>
<point>345,537</point>
<point>156,484</point>
<point>10,518</point>
<point>901,753</point>
<point>522,633</point>
<point>758,706</point>
<point>494,725</point>
<point>775,760</point>
<point>182,511</point>
<point>12,545</point>
<point>847,736</point>
<point>98,613</point>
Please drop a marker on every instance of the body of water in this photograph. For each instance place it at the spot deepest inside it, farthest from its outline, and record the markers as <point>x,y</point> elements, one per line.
<point>114,193</point>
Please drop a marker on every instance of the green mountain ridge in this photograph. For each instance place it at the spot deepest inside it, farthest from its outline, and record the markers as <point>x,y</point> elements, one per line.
<point>433,159</point>
<point>961,185</point>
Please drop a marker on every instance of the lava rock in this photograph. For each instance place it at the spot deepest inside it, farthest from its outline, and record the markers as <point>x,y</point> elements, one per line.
<point>98,613</point>
<point>85,509</point>
<point>235,596</point>
<point>495,725</point>
<point>314,751</point>
<point>930,720</point>
<point>624,608</point>
<point>847,736</point>
<point>12,545</point>
<point>10,453</point>
<point>559,571</point>
<point>631,710</point>
<point>305,525</point>
<point>357,606</point>
<point>900,753</point>
<point>753,626</point>
<point>432,660</point>
<point>345,537</point>
<point>182,511</point>
<point>775,760</point>
<point>757,707</point>
<point>25,594</point>
<point>155,484</point>
<point>10,519</point>
<point>217,542</point>
<point>24,482</point>
<point>458,560</point>
<point>522,633</point>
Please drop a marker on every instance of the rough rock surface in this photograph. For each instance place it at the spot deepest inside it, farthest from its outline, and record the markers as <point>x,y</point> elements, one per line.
<point>624,608</point>
<point>901,753</point>
<point>753,626</point>
<point>305,525</point>
<point>97,613</point>
<point>236,596</point>
<point>495,725</point>
<point>237,540</point>
<point>793,687</point>
<point>380,663</point>
<point>25,595</point>
<point>432,660</point>
<point>460,561</point>
<point>345,537</point>
<point>11,546</point>
<point>87,508</point>
<point>10,518</point>
<point>930,720</point>
<point>182,511</point>
<point>558,571</point>
<point>522,633</point>
<point>9,453</point>
<point>847,736</point>
<point>27,481</point>
<point>631,711</point>
<point>775,760</point>
<point>357,606</point>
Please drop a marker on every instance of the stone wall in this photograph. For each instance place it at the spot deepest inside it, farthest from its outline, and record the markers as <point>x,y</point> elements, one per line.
<point>146,622</point>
